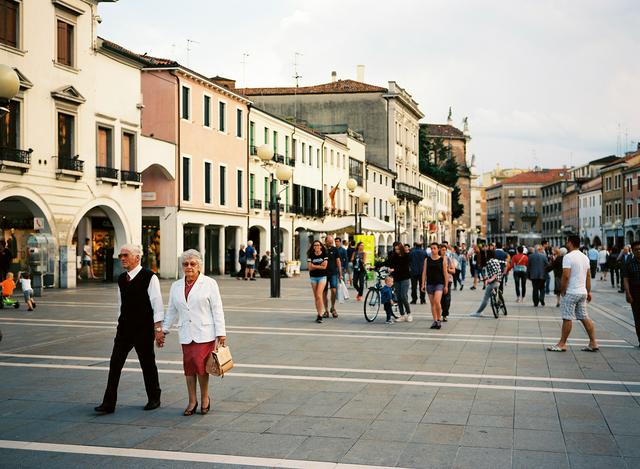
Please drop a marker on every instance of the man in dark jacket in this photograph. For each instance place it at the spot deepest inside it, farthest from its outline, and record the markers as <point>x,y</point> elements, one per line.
<point>536,267</point>
<point>140,316</point>
<point>417,256</point>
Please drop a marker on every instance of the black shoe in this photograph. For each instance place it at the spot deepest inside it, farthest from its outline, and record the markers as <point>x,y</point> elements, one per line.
<point>542,303</point>
<point>620,291</point>
<point>152,405</point>
<point>461,287</point>
<point>422,302</point>
<point>444,319</point>
<point>412,302</point>
<point>319,319</point>
<point>104,410</point>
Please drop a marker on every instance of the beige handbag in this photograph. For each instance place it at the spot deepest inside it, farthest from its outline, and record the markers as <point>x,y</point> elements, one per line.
<point>219,362</point>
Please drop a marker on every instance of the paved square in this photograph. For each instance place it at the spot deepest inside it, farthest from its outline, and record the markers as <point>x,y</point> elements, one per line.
<point>477,393</point>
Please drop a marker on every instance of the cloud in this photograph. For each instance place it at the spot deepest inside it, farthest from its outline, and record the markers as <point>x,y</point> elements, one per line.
<point>295,19</point>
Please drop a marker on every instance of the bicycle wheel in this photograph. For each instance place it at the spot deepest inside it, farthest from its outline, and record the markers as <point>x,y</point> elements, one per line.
<point>503,304</point>
<point>371,305</point>
<point>494,305</point>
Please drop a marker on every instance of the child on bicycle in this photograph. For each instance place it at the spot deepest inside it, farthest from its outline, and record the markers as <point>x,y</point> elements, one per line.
<point>386,298</point>
<point>493,280</point>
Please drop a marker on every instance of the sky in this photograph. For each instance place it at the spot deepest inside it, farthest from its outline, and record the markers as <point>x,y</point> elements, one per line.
<point>544,82</point>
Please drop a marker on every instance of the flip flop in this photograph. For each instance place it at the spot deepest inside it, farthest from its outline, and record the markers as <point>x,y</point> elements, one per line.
<point>555,348</point>
<point>588,348</point>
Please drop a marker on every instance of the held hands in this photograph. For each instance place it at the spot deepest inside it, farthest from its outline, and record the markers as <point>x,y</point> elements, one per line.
<point>159,337</point>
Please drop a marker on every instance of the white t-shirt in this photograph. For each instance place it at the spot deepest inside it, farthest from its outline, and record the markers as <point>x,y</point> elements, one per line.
<point>579,265</point>
<point>602,256</point>
<point>25,284</point>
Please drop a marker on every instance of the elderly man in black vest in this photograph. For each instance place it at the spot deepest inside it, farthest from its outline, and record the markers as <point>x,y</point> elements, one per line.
<point>141,312</point>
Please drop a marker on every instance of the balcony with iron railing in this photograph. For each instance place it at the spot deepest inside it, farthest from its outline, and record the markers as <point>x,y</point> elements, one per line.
<point>12,158</point>
<point>70,166</point>
<point>529,215</point>
<point>107,174</point>
<point>132,178</point>
<point>408,192</point>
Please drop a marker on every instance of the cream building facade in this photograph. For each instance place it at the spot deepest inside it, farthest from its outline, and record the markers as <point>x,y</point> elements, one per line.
<point>71,143</point>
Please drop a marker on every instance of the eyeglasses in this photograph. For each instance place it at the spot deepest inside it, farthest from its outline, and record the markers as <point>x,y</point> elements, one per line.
<point>187,264</point>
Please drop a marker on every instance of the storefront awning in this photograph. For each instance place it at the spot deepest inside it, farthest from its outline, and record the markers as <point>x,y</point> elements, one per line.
<point>333,225</point>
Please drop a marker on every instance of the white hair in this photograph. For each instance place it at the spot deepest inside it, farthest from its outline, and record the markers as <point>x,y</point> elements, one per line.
<point>249,243</point>
<point>563,251</point>
<point>192,254</point>
<point>133,249</point>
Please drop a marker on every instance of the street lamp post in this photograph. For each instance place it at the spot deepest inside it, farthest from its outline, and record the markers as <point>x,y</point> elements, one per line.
<point>400,211</point>
<point>363,198</point>
<point>282,173</point>
<point>9,87</point>
<point>393,200</point>
<point>421,210</point>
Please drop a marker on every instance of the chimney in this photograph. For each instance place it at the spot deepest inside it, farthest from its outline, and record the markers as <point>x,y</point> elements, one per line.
<point>334,77</point>
<point>360,73</point>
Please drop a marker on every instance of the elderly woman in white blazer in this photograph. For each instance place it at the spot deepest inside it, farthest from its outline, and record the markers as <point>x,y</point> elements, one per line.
<point>195,302</point>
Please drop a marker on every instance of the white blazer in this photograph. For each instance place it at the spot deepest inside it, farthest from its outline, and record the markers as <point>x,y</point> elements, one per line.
<point>201,318</point>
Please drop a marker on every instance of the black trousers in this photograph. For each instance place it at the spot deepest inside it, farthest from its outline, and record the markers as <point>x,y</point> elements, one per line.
<point>445,301</point>
<point>635,308</point>
<point>538,290</point>
<point>358,280</point>
<point>615,271</point>
<point>520,279</point>
<point>593,267</point>
<point>122,345</point>
<point>415,287</point>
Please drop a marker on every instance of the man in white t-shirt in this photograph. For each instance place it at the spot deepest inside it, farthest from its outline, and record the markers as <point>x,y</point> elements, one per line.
<point>576,293</point>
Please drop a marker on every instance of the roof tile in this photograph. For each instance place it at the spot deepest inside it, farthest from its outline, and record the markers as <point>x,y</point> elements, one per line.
<point>339,86</point>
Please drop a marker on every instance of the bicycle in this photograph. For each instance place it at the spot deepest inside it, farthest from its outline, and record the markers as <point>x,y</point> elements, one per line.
<point>497,302</point>
<point>372,299</point>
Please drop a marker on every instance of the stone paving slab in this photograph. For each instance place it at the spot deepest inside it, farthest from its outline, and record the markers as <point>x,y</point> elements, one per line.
<point>337,420</point>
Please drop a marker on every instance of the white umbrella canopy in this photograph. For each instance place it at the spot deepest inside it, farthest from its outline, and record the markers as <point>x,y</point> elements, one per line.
<point>347,224</point>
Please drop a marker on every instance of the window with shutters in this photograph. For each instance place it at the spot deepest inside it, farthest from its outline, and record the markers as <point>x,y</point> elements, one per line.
<point>222,117</point>
<point>207,182</point>
<point>128,152</point>
<point>186,178</point>
<point>105,147</point>
<point>239,123</point>
<point>185,101</point>
<point>239,188</point>
<point>9,22</point>
<point>10,126</point>
<point>206,111</point>
<point>65,46</point>
<point>66,135</point>
<point>223,185</point>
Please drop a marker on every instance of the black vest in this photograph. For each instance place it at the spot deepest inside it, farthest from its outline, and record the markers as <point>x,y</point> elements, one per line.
<point>135,310</point>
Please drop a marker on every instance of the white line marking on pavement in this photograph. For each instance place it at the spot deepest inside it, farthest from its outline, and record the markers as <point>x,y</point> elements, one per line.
<point>253,309</point>
<point>363,335</point>
<point>390,333</point>
<point>333,379</point>
<point>345,370</point>
<point>177,455</point>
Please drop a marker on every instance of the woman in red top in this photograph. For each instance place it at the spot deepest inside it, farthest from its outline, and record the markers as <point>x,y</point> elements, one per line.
<point>519,266</point>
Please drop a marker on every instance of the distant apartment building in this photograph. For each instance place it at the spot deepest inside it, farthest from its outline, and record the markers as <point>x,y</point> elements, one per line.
<point>590,212</point>
<point>613,198</point>
<point>553,228</point>
<point>514,207</point>
<point>632,203</point>
<point>386,117</point>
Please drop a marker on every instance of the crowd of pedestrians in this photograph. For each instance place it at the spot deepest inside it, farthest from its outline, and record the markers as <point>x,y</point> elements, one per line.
<point>419,273</point>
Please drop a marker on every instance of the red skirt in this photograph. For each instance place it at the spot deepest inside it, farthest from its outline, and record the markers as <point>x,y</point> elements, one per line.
<point>194,357</point>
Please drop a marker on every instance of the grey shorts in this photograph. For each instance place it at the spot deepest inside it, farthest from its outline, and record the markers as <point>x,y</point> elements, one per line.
<point>574,307</point>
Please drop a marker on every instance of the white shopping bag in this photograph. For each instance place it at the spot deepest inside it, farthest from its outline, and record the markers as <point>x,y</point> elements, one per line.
<point>343,291</point>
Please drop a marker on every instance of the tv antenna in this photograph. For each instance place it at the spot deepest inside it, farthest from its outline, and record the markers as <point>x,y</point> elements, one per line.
<point>189,42</point>
<point>244,66</point>
<point>296,75</point>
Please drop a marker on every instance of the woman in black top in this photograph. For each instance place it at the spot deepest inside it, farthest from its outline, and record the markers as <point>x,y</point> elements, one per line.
<point>435,281</point>
<point>398,261</point>
<point>317,261</point>
<point>556,268</point>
